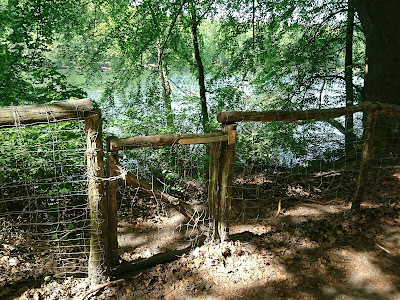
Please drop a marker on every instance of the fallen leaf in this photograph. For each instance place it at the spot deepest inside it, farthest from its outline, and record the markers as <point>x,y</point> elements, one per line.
<point>197,262</point>
<point>169,297</point>
<point>36,296</point>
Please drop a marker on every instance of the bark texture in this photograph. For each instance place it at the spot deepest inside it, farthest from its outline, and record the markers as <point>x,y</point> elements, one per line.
<point>348,74</point>
<point>200,69</point>
<point>381,24</point>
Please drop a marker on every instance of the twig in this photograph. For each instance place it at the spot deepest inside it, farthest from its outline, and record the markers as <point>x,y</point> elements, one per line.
<point>101,287</point>
<point>379,246</point>
<point>279,208</point>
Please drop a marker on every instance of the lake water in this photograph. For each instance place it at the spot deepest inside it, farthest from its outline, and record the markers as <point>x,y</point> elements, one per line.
<point>322,138</point>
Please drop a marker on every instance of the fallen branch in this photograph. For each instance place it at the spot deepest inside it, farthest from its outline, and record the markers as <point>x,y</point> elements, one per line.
<point>145,187</point>
<point>142,264</point>
<point>306,200</point>
<point>101,287</point>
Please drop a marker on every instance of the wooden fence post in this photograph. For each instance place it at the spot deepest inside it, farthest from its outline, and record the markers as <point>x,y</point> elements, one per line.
<point>98,258</point>
<point>365,159</point>
<point>225,178</point>
<point>112,191</point>
<point>213,189</point>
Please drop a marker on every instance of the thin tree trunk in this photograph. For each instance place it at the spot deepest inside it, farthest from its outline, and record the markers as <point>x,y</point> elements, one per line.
<point>200,68</point>
<point>166,92</point>
<point>348,74</point>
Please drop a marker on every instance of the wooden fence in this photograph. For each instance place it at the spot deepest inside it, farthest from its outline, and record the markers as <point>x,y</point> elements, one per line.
<point>371,109</point>
<point>66,111</point>
<point>103,210</point>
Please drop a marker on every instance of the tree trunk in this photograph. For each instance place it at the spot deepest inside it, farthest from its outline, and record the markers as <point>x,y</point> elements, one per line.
<point>166,92</point>
<point>348,74</point>
<point>381,25</point>
<point>200,69</point>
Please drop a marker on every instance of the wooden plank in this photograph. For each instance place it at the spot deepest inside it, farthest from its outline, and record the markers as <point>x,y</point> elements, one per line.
<point>156,140</point>
<point>98,263</point>
<point>282,115</point>
<point>112,192</point>
<point>34,114</point>
<point>204,140</point>
<point>366,157</point>
<point>225,177</point>
<point>213,190</point>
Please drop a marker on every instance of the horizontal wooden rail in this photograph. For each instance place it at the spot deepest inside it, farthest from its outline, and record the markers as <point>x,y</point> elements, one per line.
<point>316,114</point>
<point>33,114</point>
<point>166,140</point>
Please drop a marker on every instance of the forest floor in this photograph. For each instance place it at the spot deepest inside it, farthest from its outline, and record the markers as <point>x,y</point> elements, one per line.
<point>308,251</point>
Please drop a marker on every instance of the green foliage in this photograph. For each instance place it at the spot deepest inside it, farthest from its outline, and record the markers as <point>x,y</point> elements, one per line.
<point>27,30</point>
<point>257,56</point>
<point>42,153</point>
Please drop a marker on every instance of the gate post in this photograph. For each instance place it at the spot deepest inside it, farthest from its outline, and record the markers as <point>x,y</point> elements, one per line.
<point>213,189</point>
<point>225,178</point>
<point>366,157</point>
<point>112,191</point>
<point>98,258</point>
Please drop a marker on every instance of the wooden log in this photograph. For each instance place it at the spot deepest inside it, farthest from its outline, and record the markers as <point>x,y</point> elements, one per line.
<point>203,140</point>
<point>225,178</point>
<point>34,114</point>
<point>281,115</point>
<point>112,192</point>
<point>98,263</point>
<point>160,140</point>
<point>171,201</point>
<point>143,264</point>
<point>365,160</point>
<point>213,189</point>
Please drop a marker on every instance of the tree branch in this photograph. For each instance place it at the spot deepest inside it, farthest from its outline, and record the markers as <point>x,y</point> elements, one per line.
<point>312,39</point>
<point>170,29</point>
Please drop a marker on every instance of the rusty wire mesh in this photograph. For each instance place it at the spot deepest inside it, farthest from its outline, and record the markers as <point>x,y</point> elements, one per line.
<point>180,171</point>
<point>280,166</point>
<point>44,214</point>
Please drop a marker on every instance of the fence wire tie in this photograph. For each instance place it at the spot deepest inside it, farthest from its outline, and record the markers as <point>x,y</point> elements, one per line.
<point>112,178</point>
<point>78,111</point>
<point>92,152</point>
<point>49,113</point>
<point>16,116</point>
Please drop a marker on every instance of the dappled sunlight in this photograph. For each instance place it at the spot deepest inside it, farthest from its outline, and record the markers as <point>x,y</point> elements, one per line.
<point>362,273</point>
<point>226,269</point>
<point>306,210</point>
<point>150,237</point>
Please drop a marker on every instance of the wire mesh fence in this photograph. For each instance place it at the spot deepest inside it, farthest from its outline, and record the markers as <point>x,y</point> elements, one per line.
<point>45,219</point>
<point>171,176</point>
<point>281,165</point>
<point>54,220</point>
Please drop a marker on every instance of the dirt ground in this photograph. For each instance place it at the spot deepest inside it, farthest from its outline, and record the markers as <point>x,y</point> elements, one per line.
<point>309,251</point>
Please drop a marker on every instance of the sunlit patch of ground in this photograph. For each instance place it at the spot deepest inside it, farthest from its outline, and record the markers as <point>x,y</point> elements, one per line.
<point>363,273</point>
<point>150,237</point>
